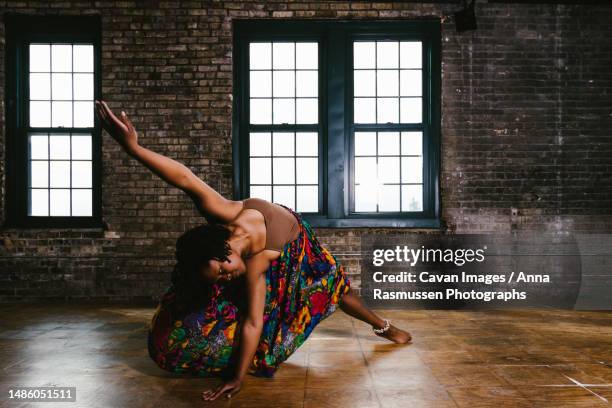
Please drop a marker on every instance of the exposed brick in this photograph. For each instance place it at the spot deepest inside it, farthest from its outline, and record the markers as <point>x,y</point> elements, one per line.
<point>526,119</point>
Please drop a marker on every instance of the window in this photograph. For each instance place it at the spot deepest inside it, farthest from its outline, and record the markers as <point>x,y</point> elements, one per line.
<point>387,89</point>
<point>284,122</point>
<point>54,143</point>
<point>340,120</point>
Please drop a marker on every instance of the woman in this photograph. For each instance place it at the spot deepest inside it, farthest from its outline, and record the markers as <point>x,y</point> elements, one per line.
<point>248,288</point>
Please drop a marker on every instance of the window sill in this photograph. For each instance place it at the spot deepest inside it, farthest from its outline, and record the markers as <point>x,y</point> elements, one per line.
<point>323,222</point>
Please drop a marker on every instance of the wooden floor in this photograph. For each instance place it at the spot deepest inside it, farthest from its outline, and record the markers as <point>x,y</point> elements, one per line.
<point>458,359</point>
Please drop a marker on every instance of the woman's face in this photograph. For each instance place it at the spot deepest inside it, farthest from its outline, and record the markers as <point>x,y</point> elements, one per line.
<point>224,271</point>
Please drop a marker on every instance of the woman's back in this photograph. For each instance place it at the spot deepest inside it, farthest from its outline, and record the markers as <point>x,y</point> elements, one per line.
<point>281,226</point>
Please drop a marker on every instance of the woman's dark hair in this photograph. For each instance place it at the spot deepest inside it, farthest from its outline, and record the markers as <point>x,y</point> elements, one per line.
<point>195,248</point>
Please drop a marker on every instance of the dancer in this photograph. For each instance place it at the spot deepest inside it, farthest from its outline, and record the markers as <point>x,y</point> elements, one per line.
<point>248,287</point>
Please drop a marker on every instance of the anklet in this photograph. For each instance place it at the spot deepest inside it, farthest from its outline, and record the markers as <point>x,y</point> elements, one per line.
<point>384,329</point>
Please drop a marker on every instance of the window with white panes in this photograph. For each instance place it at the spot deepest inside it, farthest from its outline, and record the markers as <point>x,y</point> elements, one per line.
<point>60,174</point>
<point>388,171</point>
<point>340,120</point>
<point>387,90</point>
<point>55,165</point>
<point>388,81</point>
<point>284,123</point>
<point>61,84</point>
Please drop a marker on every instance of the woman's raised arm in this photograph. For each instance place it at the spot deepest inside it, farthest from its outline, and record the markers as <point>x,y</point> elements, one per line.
<point>210,203</point>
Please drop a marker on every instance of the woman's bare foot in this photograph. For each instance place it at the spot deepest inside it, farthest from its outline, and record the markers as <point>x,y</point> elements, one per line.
<point>396,335</point>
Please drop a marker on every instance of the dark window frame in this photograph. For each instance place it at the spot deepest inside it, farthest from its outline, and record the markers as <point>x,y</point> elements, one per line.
<point>335,112</point>
<point>20,31</point>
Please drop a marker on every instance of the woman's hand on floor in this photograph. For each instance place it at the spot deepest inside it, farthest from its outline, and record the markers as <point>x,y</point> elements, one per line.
<point>229,387</point>
<point>121,129</point>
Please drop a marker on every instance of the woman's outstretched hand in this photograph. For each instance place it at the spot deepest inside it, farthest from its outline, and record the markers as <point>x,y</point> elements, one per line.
<point>229,387</point>
<point>120,128</point>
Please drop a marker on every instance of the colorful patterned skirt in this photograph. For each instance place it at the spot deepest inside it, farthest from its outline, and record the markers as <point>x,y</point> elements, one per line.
<point>304,286</point>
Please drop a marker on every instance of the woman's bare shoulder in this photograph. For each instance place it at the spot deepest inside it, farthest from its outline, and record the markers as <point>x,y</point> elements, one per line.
<point>246,215</point>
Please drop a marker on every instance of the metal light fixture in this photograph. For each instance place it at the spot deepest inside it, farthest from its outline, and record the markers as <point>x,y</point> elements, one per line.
<point>466,19</point>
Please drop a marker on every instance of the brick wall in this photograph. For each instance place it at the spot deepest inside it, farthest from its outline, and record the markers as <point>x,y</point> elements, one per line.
<point>526,119</point>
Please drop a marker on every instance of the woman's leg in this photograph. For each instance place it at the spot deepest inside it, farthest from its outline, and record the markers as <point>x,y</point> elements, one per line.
<point>352,305</point>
